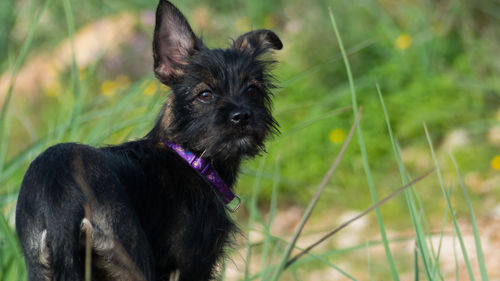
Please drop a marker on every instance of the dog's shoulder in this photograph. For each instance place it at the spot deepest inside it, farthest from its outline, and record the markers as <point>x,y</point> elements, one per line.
<point>63,152</point>
<point>58,158</point>
<point>64,163</point>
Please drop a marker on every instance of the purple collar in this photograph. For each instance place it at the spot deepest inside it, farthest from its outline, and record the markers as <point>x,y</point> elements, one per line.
<point>203,167</point>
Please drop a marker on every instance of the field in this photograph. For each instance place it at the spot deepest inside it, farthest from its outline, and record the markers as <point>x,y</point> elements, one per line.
<point>423,76</point>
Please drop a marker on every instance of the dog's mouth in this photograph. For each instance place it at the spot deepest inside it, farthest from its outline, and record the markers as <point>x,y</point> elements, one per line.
<point>244,144</point>
<point>235,147</point>
<point>248,140</point>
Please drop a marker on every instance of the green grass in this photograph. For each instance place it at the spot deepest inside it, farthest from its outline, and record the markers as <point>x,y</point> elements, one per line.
<point>477,239</point>
<point>450,209</point>
<point>447,78</point>
<point>366,165</point>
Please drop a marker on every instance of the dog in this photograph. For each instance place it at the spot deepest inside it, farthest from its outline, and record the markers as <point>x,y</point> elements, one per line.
<point>155,207</point>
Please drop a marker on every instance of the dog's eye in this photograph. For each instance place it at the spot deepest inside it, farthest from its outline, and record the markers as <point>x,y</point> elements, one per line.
<point>206,96</point>
<point>252,90</point>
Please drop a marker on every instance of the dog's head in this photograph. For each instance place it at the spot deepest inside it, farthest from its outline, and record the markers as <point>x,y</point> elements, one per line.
<point>221,102</point>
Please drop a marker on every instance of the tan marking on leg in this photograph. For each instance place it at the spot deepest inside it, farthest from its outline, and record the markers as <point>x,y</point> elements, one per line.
<point>44,257</point>
<point>111,260</point>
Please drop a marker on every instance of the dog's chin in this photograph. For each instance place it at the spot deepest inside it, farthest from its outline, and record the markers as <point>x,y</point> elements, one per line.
<point>246,146</point>
<point>236,148</point>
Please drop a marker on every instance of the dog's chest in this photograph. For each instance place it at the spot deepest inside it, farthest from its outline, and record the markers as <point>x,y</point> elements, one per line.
<point>190,237</point>
<point>186,223</point>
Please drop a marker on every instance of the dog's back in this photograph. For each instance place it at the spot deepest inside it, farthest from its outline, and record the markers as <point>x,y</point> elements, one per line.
<point>142,207</point>
<point>64,189</point>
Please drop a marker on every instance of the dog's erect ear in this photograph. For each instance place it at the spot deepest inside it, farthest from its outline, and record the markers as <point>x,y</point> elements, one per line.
<point>258,41</point>
<point>173,42</point>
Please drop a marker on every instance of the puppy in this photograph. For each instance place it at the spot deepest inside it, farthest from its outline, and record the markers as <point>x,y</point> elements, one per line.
<point>145,209</point>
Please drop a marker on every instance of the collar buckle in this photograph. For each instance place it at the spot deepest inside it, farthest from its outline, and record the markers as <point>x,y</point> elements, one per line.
<point>235,208</point>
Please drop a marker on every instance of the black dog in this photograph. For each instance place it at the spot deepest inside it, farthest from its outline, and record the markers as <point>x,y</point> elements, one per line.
<point>147,208</point>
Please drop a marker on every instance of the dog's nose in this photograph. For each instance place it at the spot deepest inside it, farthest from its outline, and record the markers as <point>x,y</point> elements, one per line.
<point>240,116</point>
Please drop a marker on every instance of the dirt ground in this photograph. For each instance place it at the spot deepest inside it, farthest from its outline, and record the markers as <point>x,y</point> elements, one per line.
<point>355,262</point>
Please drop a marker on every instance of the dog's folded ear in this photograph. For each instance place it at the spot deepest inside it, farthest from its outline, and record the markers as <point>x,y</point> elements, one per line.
<point>173,42</point>
<point>258,42</point>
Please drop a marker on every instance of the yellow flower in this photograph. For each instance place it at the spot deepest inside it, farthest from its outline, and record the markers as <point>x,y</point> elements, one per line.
<point>122,81</point>
<point>53,89</point>
<point>337,135</point>
<point>495,163</point>
<point>108,88</point>
<point>150,89</point>
<point>163,88</point>
<point>243,24</point>
<point>403,42</point>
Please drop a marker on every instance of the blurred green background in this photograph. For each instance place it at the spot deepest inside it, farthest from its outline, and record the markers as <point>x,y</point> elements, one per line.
<point>82,71</point>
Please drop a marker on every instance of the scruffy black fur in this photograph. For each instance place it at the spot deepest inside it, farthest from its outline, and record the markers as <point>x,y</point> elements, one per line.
<point>146,213</point>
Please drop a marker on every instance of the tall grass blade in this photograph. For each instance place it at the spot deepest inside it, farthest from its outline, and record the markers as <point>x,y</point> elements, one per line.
<point>427,231</point>
<point>420,237</point>
<point>272,212</point>
<point>341,271</point>
<point>415,263</point>
<point>364,155</point>
<point>295,275</point>
<point>78,102</point>
<point>370,269</point>
<point>455,255</point>
<point>414,214</point>
<point>477,239</point>
<point>314,200</point>
<point>10,237</point>
<point>450,209</point>
<point>441,238</point>
<point>17,64</point>
<point>253,214</point>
